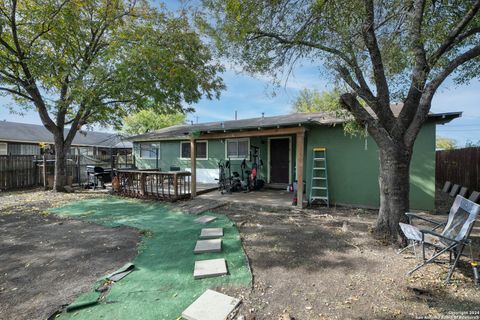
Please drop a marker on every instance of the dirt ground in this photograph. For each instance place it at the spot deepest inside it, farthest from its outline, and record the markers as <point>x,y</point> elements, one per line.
<point>310,264</point>
<point>47,261</point>
<point>324,264</point>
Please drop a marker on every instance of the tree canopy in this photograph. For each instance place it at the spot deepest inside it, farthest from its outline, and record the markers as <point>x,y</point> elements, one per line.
<point>309,100</point>
<point>444,143</point>
<point>326,101</point>
<point>96,61</point>
<point>378,52</point>
<point>148,120</point>
<point>382,51</point>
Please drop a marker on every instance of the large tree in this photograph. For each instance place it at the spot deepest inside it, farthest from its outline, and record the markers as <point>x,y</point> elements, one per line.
<point>383,51</point>
<point>94,61</point>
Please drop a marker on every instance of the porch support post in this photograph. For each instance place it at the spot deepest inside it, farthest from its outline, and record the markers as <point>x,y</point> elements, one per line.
<point>193,157</point>
<point>299,164</point>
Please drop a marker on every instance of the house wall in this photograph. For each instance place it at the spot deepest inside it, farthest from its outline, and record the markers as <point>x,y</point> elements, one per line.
<point>353,170</point>
<point>207,170</point>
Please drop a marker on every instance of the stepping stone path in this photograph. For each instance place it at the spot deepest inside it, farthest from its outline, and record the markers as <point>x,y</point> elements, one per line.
<point>210,268</point>
<point>211,245</point>
<point>205,219</point>
<point>209,233</point>
<point>211,305</point>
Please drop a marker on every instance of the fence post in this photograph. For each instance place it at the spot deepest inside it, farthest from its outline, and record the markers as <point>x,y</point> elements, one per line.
<point>78,169</point>
<point>44,172</point>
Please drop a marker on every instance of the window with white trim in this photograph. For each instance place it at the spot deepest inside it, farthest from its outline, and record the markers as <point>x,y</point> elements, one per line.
<point>149,150</point>
<point>202,150</point>
<point>237,148</point>
<point>3,149</point>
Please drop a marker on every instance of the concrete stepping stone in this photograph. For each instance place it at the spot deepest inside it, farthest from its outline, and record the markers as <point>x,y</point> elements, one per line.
<point>211,305</point>
<point>209,268</point>
<point>210,245</point>
<point>210,233</point>
<point>205,219</point>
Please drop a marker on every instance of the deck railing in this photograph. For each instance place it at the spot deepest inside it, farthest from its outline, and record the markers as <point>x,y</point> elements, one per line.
<point>170,186</point>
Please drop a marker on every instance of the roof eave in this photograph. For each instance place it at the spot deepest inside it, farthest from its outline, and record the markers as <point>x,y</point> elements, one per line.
<point>445,117</point>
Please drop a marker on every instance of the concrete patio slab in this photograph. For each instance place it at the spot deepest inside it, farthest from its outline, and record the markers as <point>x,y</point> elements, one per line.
<point>210,245</point>
<point>205,219</point>
<point>211,305</point>
<point>264,197</point>
<point>210,233</point>
<point>210,268</point>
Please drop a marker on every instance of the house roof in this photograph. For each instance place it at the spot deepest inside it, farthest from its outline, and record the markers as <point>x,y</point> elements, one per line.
<point>180,131</point>
<point>289,120</point>
<point>33,133</point>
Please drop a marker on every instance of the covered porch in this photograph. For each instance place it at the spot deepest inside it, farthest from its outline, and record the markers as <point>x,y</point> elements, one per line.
<point>294,170</point>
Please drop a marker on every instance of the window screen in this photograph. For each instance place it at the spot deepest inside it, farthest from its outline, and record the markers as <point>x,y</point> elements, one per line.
<point>3,148</point>
<point>201,150</point>
<point>237,148</point>
<point>149,150</point>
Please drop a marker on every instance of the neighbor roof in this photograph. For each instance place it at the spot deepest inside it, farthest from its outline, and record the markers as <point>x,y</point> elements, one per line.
<point>289,120</point>
<point>33,133</point>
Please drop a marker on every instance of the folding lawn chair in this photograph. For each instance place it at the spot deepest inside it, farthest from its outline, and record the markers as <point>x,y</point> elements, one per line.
<point>452,240</point>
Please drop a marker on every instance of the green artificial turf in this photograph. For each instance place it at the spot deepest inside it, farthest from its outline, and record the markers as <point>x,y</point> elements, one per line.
<point>162,284</point>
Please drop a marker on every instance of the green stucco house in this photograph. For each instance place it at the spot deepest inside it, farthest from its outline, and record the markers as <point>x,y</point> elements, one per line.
<point>285,145</point>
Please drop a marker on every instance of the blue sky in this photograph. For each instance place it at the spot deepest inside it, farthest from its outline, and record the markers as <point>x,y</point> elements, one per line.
<point>250,96</point>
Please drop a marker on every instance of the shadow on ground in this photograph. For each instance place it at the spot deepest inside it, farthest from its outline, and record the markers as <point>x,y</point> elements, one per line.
<point>324,264</point>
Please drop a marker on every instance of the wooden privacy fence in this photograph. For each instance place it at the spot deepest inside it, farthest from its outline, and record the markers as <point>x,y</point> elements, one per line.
<point>18,172</point>
<point>459,166</point>
<point>170,186</point>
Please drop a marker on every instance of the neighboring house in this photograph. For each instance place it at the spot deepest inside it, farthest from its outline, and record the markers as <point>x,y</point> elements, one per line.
<point>26,139</point>
<point>352,161</point>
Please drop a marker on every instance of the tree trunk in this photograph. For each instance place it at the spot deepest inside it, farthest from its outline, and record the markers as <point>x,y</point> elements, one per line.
<point>60,180</point>
<point>394,181</point>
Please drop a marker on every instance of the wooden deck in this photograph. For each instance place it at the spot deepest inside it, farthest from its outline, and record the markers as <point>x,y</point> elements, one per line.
<point>152,184</point>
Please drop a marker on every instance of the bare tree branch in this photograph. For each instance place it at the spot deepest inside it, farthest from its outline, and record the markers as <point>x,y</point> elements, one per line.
<point>29,84</point>
<point>454,37</point>
<point>285,40</point>
<point>432,87</point>
<point>419,73</point>
<point>374,127</point>
<point>382,106</point>
<point>346,76</point>
<point>367,92</point>
<point>371,43</point>
<point>16,92</point>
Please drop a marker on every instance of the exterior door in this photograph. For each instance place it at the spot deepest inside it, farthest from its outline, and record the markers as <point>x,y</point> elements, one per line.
<point>279,160</point>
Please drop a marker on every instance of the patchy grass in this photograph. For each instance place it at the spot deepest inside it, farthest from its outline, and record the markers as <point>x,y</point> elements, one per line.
<point>162,285</point>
